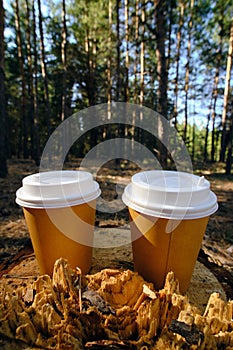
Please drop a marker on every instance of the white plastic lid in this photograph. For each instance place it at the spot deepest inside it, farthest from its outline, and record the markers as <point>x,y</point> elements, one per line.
<point>170,195</point>
<point>57,189</point>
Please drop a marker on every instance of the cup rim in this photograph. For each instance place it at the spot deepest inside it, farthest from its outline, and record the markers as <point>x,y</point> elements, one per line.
<point>77,187</point>
<point>161,201</point>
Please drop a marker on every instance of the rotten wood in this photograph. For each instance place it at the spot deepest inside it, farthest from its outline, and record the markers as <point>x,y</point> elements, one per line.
<point>223,275</point>
<point>9,263</point>
<point>109,344</point>
<point>191,333</point>
<point>95,299</point>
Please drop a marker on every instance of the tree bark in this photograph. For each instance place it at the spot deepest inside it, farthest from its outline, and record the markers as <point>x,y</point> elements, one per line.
<point>136,51</point>
<point>214,96</point>
<point>44,69</point>
<point>213,114</point>
<point>64,62</point>
<point>118,70</point>
<point>109,63</point>
<point>3,148</point>
<point>126,51</point>
<point>135,70</point>
<point>225,128</point>
<point>90,49</point>
<point>23,81</point>
<point>35,91</point>
<point>142,53</point>
<point>169,35</point>
<point>178,48</point>
<point>205,154</point>
<point>187,71</point>
<point>160,16</point>
<point>118,78</point>
<point>31,75</point>
<point>226,102</point>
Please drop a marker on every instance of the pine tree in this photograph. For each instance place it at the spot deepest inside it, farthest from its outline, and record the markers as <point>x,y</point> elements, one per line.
<point>3,147</point>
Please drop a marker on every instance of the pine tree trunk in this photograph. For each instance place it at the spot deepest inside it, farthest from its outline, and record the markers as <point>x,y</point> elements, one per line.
<point>135,70</point>
<point>118,78</point>
<point>214,96</point>
<point>3,146</point>
<point>90,49</point>
<point>35,90</point>
<point>23,82</point>
<point>64,63</point>
<point>44,69</point>
<point>160,13</point>
<point>187,71</point>
<point>170,15</point>
<point>126,51</point>
<point>32,106</point>
<point>226,102</point>
<point>109,63</point>
<point>30,74</point>
<point>142,53</point>
<point>205,155</point>
<point>136,52</point>
<point>213,115</point>
<point>178,47</point>
<point>225,129</point>
<point>193,139</point>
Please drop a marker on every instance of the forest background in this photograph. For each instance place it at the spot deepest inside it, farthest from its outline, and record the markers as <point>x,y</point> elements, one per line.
<point>59,57</point>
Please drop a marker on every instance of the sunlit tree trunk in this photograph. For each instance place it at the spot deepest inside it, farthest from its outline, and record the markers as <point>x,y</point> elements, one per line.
<point>90,49</point>
<point>118,68</point>
<point>23,81</point>
<point>213,114</point>
<point>214,95</point>
<point>142,53</point>
<point>136,51</point>
<point>227,103</point>
<point>226,97</point>
<point>64,63</point>
<point>35,90</point>
<point>118,58</point>
<point>205,155</point>
<point>160,16</point>
<point>187,71</point>
<point>193,138</point>
<point>109,63</point>
<point>216,84</point>
<point>170,16</point>
<point>3,147</point>
<point>44,69</point>
<point>178,48</point>
<point>135,70</point>
<point>31,75</point>
<point>126,51</point>
<point>88,62</point>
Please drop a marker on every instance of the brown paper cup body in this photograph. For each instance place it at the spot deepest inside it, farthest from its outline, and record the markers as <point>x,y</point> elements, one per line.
<point>156,252</point>
<point>50,243</point>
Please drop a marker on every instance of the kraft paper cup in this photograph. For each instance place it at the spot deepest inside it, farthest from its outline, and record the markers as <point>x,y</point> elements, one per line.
<point>59,209</point>
<point>169,212</point>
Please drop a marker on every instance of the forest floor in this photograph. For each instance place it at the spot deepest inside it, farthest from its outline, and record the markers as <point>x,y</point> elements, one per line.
<point>217,247</point>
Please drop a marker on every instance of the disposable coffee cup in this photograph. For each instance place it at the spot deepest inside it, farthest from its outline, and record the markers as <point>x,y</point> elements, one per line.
<point>169,212</point>
<point>59,209</point>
